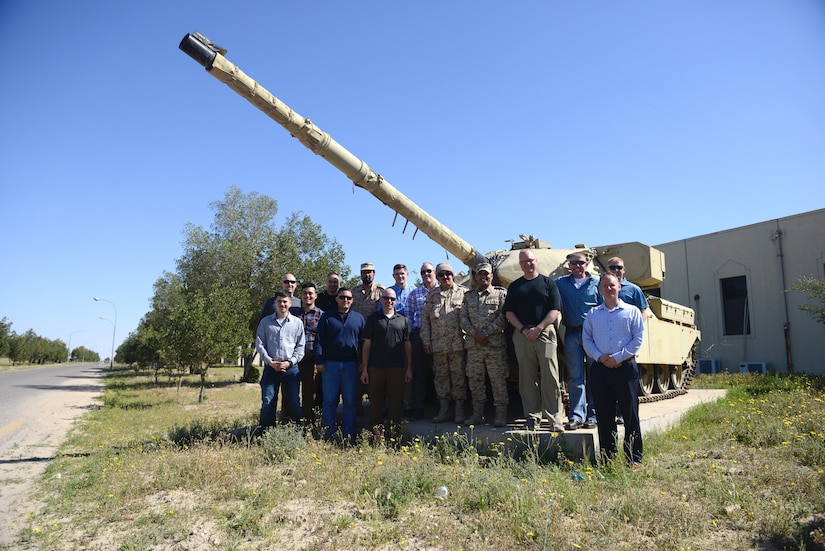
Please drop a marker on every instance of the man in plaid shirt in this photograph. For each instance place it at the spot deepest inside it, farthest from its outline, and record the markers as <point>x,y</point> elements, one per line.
<point>309,314</point>
<point>415,393</point>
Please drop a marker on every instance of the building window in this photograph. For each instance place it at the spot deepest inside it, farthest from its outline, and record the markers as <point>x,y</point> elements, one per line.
<point>735,305</point>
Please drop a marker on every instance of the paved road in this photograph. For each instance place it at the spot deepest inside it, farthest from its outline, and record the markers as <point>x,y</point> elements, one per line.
<point>37,409</point>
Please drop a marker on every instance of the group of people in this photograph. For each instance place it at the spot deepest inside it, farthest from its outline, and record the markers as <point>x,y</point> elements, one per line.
<point>603,322</point>
<point>334,345</point>
<point>398,344</point>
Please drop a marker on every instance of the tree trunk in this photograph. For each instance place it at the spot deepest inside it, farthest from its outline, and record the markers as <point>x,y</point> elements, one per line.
<point>248,368</point>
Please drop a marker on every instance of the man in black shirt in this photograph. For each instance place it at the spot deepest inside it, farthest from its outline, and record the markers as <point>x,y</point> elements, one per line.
<point>386,362</point>
<point>532,306</point>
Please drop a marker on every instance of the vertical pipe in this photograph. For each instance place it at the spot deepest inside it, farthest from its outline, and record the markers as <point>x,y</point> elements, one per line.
<point>786,326</point>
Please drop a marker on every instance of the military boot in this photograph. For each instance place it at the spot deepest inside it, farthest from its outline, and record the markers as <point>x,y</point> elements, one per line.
<point>501,417</point>
<point>459,411</point>
<point>477,418</point>
<point>443,412</point>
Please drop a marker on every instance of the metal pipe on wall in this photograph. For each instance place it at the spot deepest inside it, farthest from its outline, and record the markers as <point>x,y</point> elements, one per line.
<point>786,326</point>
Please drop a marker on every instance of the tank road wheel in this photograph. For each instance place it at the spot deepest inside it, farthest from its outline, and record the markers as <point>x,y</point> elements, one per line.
<point>662,373</point>
<point>677,375</point>
<point>646,378</point>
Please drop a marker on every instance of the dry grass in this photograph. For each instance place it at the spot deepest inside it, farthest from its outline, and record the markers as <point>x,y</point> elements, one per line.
<point>151,469</point>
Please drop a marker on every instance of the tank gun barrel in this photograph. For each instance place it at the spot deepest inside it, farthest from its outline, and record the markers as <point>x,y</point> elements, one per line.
<point>211,56</point>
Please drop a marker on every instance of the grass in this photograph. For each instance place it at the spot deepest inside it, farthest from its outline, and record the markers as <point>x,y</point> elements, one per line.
<point>152,469</point>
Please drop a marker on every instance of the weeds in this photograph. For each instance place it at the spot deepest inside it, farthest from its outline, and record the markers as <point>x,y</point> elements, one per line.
<point>152,469</point>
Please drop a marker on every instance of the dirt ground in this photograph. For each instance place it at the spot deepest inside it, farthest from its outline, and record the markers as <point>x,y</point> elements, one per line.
<point>45,423</point>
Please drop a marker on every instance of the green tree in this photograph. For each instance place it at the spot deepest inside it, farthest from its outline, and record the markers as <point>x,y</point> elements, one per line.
<point>815,288</point>
<point>5,337</point>
<point>83,354</point>
<point>245,251</point>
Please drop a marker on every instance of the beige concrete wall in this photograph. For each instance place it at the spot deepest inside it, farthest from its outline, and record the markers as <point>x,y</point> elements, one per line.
<point>696,265</point>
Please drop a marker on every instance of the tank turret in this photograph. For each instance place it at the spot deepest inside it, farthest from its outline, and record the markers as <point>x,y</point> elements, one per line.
<point>668,357</point>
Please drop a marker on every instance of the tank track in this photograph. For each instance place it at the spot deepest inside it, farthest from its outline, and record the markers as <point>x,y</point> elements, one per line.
<point>663,396</point>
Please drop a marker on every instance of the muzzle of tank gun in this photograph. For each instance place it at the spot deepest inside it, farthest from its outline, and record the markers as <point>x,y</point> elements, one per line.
<point>201,49</point>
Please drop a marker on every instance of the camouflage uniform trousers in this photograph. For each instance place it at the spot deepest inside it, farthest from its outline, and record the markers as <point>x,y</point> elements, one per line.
<point>491,360</point>
<point>450,375</point>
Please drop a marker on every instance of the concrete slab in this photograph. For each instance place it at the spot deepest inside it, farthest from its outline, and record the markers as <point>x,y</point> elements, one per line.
<point>576,445</point>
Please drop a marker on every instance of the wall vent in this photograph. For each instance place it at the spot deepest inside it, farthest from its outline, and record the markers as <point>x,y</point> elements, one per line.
<point>707,366</point>
<point>753,367</point>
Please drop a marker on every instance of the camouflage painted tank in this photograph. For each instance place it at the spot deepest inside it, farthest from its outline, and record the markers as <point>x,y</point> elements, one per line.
<point>668,357</point>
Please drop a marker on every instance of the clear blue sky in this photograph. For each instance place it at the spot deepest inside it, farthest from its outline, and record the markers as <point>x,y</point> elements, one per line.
<point>580,122</point>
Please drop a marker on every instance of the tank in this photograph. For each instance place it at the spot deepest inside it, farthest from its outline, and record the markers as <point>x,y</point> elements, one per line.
<point>668,357</point>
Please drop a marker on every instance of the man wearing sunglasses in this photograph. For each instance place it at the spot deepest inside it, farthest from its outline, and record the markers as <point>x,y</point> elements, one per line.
<point>443,338</point>
<point>386,364</point>
<point>630,293</point>
<point>288,285</point>
<point>579,294</point>
<point>336,356</point>
<point>416,394</point>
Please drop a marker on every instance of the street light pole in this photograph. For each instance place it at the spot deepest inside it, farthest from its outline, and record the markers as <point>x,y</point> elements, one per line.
<point>111,358</point>
<point>69,353</point>
<point>114,330</point>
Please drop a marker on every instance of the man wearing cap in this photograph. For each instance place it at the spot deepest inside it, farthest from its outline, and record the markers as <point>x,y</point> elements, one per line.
<point>367,296</point>
<point>483,322</point>
<point>532,306</point>
<point>579,294</point>
<point>442,337</point>
<point>365,299</point>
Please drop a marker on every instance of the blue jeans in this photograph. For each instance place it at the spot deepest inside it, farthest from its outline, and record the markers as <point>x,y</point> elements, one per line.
<point>339,379</point>
<point>578,377</point>
<point>290,383</point>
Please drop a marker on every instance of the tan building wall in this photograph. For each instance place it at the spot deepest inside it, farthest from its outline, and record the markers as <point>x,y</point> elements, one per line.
<point>771,256</point>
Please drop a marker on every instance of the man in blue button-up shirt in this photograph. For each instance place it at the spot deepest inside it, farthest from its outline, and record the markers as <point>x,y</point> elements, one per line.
<point>613,334</point>
<point>280,342</point>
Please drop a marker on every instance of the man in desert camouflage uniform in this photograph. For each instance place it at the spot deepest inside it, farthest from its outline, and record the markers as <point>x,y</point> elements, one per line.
<point>366,297</point>
<point>483,322</point>
<point>442,337</point>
